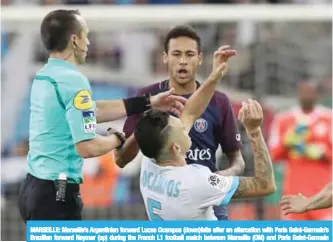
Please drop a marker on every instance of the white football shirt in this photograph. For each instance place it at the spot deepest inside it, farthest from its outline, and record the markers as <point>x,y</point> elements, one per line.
<point>183,193</point>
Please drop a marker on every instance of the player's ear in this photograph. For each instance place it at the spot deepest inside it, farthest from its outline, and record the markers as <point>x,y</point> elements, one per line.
<point>73,40</point>
<point>165,57</point>
<point>175,148</point>
<point>200,58</point>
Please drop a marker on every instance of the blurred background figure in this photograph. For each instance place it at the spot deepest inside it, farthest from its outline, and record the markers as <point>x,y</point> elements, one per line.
<point>302,137</point>
<point>273,56</point>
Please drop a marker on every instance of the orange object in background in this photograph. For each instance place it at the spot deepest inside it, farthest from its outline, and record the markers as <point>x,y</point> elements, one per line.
<point>302,174</point>
<point>96,191</point>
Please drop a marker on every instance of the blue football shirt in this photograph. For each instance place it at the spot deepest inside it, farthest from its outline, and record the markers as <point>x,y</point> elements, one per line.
<point>62,114</point>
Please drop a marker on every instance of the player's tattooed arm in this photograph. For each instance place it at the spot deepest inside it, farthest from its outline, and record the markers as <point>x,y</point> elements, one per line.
<point>237,164</point>
<point>263,182</point>
<point>321,200</point>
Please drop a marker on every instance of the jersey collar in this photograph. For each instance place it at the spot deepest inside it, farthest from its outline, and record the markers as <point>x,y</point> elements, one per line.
<point>61,62</point>
<point>164,86</point>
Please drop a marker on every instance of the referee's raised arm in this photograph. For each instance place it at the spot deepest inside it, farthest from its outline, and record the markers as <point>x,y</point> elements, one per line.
<point>63,122</point>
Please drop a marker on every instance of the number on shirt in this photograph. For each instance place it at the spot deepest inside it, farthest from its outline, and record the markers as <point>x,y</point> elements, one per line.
<point>153,205</point>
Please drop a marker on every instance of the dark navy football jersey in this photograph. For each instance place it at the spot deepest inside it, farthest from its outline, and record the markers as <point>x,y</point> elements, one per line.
<point>216,126</point>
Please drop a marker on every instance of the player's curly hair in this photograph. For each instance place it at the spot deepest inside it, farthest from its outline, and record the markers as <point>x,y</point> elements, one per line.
<point>181,31</point>
<point>148,132</point>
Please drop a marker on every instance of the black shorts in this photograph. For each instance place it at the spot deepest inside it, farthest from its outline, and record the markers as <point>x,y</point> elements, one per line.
<point>37,201</point>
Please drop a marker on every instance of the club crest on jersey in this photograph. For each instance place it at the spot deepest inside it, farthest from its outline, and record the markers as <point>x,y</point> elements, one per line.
<point>200,125</point>
<point>214,180</point>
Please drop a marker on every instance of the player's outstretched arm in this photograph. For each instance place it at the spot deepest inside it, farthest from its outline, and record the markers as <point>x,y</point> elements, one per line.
<point>301,204</point>
<point>263,182</point>
<point>200,99</point>
<point>107,111</point>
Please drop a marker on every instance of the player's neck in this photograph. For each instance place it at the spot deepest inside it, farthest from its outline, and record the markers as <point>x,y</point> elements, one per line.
<point>69,57</point>
<point>308,110</point>
<point>171,163</point>
<point>183,89</point>
<point>175,161</point>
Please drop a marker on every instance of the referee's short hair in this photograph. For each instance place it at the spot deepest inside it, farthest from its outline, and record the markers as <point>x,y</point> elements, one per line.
<point>57,28</point>
<point>148,133</point>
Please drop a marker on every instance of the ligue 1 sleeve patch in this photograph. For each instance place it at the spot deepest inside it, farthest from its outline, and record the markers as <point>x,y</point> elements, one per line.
<point>214,180</point>
<point>89,121</point>
<point>83,100</point>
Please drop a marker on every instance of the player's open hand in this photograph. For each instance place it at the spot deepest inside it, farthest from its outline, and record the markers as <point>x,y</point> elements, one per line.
<point>293,204</point>
<point>251,115</point>
<point>166,101</point>
<point>220,61</point>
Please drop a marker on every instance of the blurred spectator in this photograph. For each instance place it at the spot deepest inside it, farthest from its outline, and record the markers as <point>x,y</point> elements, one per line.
<point>100,178</point>
<point>302,136</point>
<point>21,149</point>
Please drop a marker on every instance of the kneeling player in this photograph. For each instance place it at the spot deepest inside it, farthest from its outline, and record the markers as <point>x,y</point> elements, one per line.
<point>173,190</point>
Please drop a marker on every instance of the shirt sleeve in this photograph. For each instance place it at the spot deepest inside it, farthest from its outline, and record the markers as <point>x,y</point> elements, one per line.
<point>211,189</point>
<point>80,111</point>
<point>228,134</point>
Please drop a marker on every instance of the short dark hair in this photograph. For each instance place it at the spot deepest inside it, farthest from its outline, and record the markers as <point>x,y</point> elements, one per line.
<point>57,28</point>
<point>148,132</point>
<point>181,31</point>
<point>309,81</point>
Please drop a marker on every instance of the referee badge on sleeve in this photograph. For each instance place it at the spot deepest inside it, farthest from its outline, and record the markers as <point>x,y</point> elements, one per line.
<point>83,100</point>
<point>89,121</point>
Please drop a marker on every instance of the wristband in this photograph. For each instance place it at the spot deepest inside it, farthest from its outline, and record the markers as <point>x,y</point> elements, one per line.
<point>119,135</point>
<point>136,105</point>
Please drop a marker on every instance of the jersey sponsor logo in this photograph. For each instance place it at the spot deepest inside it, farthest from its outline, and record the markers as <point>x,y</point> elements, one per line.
<point>83,100</point>
<point>89,121</point>
<point>200,125</point>
<point>198,154</point>
<point>214,180</point>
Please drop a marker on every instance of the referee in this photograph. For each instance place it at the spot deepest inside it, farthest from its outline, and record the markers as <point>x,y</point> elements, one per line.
<point>63,122</point>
